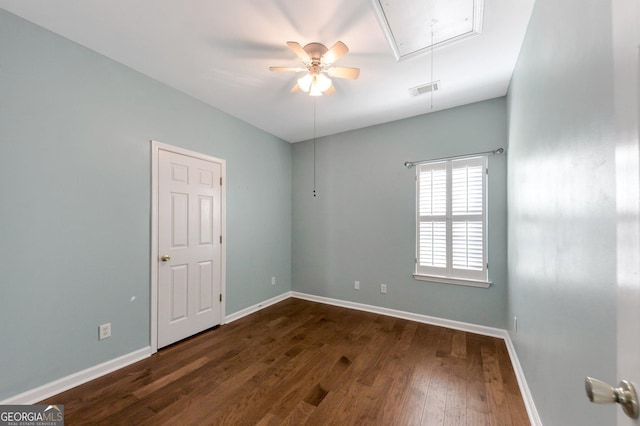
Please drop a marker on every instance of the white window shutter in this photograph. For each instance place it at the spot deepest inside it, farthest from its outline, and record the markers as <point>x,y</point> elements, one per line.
<point>433,244</point>
<point>451,224</point>
<point>432,226</point>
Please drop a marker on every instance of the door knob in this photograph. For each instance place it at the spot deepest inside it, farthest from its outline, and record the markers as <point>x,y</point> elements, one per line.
<point>165,258</point>
<point>600,392</point>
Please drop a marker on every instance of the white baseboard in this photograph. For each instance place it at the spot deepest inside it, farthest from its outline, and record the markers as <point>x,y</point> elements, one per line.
<point>255,308</point>
<point>65,383</point>
<point>456,325</point>
<point>534,418</point>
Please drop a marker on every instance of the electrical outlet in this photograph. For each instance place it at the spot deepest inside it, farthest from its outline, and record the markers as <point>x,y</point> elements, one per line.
<point>515,324</point>
<point>356,285</point>
<point>104,331</point>
<point>383,288</point>
<point>273,280</point>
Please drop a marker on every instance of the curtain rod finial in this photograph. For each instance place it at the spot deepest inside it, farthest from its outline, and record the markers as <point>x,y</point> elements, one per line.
<point>408,164</point>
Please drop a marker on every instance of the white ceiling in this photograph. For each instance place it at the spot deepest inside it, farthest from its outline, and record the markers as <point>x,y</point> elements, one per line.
<point>220,52</point>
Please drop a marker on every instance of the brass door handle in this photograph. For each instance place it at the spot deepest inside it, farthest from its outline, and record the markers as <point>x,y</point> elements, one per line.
<point>165,258</point>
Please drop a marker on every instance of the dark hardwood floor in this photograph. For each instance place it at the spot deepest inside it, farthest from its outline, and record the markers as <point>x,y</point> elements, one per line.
<point>299,362</point>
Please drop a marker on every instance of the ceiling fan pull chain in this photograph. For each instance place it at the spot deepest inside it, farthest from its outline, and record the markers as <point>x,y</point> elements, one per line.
<point>431,78</point>
<point>314,147</point>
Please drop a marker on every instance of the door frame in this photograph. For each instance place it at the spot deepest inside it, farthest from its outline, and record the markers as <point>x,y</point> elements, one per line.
<point>626,89</point>
<point>156,147</point>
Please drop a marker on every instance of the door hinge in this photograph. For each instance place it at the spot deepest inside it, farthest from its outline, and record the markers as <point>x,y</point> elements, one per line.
<point>486,170</point>
<point>221,297</point>
<point>220,239</point>
<point>220,181</point>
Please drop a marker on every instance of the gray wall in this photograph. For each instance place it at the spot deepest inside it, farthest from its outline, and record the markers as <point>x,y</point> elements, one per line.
<point>75,212</point>
<point>361,226</point>
<point>562,231</point>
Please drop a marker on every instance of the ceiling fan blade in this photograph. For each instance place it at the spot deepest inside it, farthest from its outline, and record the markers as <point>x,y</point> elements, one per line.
<point>293,69</point>
<point>336,52</point>
<point>344,72</point>
<point>295,89</point>
<point>330,90</point>
<point>298,50</point>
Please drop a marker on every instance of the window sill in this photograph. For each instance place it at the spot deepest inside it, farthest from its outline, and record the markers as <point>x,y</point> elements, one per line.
<point>455,281</point>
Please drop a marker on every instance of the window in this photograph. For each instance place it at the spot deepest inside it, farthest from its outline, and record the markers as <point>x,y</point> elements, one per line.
<point>451,221</point>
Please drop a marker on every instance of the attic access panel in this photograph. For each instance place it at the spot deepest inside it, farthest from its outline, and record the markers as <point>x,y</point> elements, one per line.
<point>408,24</point>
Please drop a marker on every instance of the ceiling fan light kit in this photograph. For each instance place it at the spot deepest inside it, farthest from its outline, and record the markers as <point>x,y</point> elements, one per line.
<point>314,84</point>
<point>318,64</point>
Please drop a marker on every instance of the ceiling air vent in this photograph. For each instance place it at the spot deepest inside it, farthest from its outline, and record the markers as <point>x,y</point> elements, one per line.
<point>425,88</point>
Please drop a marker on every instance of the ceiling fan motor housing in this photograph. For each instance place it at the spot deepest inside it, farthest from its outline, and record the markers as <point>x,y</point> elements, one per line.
<point>315,51</point>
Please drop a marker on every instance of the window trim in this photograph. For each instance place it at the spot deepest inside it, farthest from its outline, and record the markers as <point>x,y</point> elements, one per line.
<point>456,281</point>
<point>449,272</point>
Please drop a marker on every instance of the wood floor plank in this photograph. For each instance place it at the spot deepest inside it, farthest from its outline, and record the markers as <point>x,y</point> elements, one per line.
<point>389,414</point>
<point>476,389</point>
<point>269,420</point>
<point>169,378</point>
<point>444,343</point>
<point>514,397</point>
<point>436,398</point>
<point>362,352</point>
<point>368,402</point>
<point>388,337</point>
<point>299,414</point>
<point>300,362</point>
<point>498,406</point>
<point>459,344</point>
<point>475,418</point>
<point>400,368</point>
<point>230,377</point>
<point>456,403</point>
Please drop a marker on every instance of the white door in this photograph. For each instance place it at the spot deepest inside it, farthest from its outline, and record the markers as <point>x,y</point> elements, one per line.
<point>626,41</point>
<point>189,274</point>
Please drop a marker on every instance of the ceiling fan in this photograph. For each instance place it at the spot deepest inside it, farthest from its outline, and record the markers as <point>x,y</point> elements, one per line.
<point>318,61</point>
